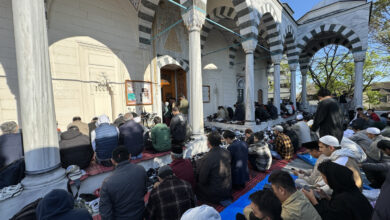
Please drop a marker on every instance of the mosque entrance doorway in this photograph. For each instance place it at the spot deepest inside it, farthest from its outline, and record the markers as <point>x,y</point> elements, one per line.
<point>173,82</point>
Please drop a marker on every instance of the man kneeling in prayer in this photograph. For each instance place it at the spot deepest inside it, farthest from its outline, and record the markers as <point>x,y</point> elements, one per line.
<point>310,177</point>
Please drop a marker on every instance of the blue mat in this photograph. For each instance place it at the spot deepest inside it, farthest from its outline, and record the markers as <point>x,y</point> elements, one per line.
<point>239,205</point>
<point>307,158</point>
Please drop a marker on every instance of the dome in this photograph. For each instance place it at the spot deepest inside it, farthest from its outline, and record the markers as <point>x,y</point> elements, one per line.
<point>324,3</point>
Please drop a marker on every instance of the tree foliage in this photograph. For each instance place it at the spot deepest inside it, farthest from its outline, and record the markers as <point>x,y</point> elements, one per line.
<point>333,68</point>
<point>373,97</point>
<point>380,24</point>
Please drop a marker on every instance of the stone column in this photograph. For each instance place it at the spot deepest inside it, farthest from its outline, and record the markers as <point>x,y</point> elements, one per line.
<point>359,58</point>
<point>194,19</point>
<point>40,138</point>
<point>276,62</point>
<point>249,47</point>
<point>293,87</point>
<point>304,90</point>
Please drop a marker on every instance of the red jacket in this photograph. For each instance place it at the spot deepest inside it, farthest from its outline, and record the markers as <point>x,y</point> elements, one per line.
<point>375,117</point>
<point>182,168</point>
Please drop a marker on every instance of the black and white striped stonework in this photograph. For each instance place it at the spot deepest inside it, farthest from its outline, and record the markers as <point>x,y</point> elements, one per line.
<point>247,19</point>
<point>269,20</point>
<point>166,60</point>
<point>216,15</point>
<point>146,14</point>
<point>309,44</point>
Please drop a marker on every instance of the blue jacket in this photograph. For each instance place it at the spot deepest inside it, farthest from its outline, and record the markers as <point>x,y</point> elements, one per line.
<point>106,141</point>
<point>131,135</point>
<point>239,153</point>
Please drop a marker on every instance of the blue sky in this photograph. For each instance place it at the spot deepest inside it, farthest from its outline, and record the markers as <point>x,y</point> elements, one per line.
<point>300,7</point>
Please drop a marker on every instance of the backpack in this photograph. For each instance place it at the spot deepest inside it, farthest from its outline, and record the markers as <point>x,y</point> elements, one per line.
<point>28,212</point>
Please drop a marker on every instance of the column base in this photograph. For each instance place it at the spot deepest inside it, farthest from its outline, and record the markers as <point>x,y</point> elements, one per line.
<point>250,123</point>
<point>31,182</point>
<point>196,146</point>
<point>35,186</point>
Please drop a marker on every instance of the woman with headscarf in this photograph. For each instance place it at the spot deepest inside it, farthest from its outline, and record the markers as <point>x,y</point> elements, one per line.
<point>346,202</point>
<point>104,140</point>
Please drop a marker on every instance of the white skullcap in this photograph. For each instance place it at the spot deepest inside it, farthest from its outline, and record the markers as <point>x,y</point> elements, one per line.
<point>330,140</point>
<point>299,117</point>
<point>373,130</point>
<point>201,213</point>
<point>278,128</point>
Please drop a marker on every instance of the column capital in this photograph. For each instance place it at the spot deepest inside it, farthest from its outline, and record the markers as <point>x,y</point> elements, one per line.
<point>359,56</point>
<point>249,45</point>
<point>276,59</point>
<point>293,67</point>
<point>195,14</point>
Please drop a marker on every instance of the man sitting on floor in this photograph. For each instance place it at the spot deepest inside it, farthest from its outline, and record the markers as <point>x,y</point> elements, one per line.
<point>214,177</point>
<point>59,204</point>
<point>122,193</point>
<point>170,198</point>
<point>264,205</point>
<point>75,148</point>
<point>330,147</point>
<point>161,136</point>
<point>182,168</point>
<point>259,154</point>
<point>104,140</point>
<point>295,205</point>
<point>283,145</point>
<point>239,154</point>
<point>131,136</point>
<point>311,177</point>
<point>83,127</point>
<point>11,145</point>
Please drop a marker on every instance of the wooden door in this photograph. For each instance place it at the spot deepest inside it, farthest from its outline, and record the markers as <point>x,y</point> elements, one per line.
<point>168,86</point>
<point>181,83</point>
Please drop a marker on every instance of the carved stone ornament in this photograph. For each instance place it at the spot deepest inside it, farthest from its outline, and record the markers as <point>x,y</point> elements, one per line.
<point>103,84</point>
<point>359,56</point>
<point>276,59</point>
<point>249,46</point>
<point>194,19</point>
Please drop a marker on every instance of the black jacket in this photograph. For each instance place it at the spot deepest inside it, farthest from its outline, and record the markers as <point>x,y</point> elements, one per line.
<point>59,205</point>
<point>214,177</point>
<point>262,114</point>
<point>329,119</point>
<point>382,207</point>
<point>75,149</point>
<point>347,202</point>
<point>273,111</point>
<point>178,128</point>
<point>11,148</point>
<point>239,114</point>
<point>122,193</point>
<point>131,135</point>
<point>239,154</point>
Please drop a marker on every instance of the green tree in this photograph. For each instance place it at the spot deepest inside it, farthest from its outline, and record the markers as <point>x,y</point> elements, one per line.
<point>333,68</point>
<point>372,97</point>
<point>380,24</point>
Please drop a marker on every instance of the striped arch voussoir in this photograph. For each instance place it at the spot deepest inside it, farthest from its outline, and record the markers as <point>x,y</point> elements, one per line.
<point>351,40</point>
<point>272,29</point>
<point>216,15</point>
<point>166,60</point>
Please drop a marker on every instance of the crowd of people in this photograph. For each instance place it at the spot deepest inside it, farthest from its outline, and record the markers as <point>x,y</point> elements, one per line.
<point>262,112</point>
<point>331,190</point>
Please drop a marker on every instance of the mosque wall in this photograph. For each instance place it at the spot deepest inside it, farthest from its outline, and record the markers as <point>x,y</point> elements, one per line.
<point>94,48</point>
